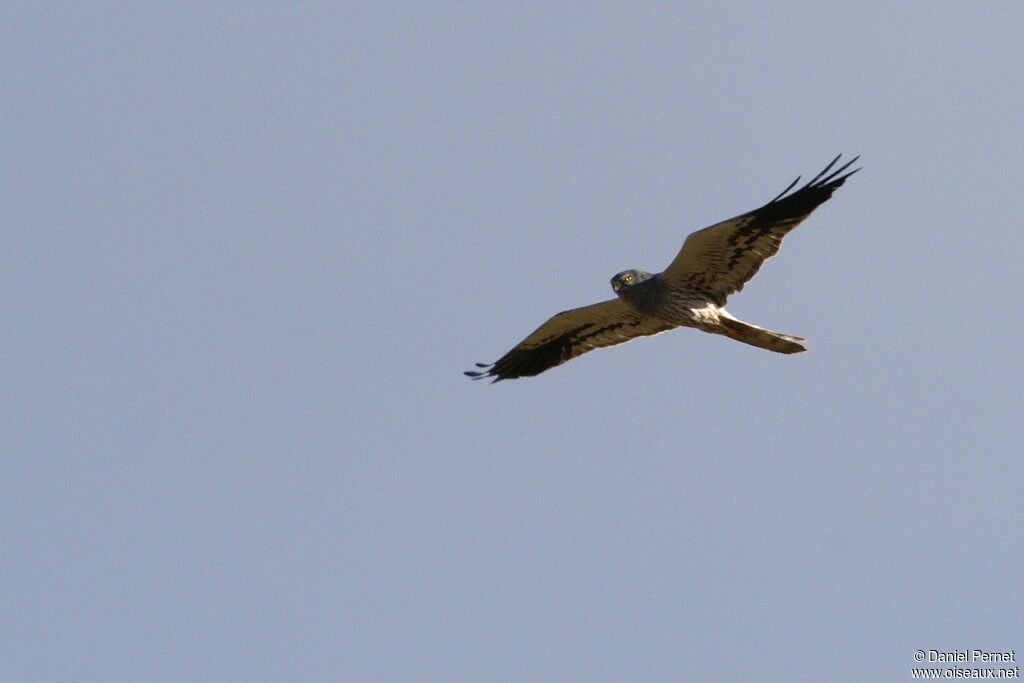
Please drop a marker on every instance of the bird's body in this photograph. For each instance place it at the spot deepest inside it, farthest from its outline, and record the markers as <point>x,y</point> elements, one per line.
<point>712,264</point>
<point>660,298</point>
<point>652,295</point>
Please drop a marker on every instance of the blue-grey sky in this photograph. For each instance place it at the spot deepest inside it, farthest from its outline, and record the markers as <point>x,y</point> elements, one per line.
<point>248,250</point>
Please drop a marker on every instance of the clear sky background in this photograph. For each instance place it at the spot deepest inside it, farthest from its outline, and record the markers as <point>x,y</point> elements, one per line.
<point>249,250</point>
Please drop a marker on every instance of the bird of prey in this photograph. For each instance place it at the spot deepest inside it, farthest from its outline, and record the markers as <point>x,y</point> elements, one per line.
<point>712,264</point>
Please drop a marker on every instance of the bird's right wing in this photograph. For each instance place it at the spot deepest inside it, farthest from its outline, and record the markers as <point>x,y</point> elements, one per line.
<point>570,334</point>
<point>717,261</point>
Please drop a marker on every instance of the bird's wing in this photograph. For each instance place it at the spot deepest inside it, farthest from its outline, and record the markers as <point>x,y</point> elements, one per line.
<point>719,260</point>
<point>570,334</point>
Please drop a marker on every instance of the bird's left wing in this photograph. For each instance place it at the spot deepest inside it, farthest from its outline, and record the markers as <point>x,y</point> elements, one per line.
<point>717,261</point>
<point>570,334</point>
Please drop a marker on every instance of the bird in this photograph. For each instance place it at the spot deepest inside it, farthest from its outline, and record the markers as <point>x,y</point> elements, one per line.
<point>691,292</point>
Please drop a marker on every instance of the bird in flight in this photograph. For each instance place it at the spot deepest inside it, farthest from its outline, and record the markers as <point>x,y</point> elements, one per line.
<point>712,264</point>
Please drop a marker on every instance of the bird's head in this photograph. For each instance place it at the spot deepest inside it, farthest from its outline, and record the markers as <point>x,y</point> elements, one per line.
<point>628,278</point>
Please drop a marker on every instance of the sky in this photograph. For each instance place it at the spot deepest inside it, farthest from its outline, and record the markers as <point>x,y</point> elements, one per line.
<point>248,250</point>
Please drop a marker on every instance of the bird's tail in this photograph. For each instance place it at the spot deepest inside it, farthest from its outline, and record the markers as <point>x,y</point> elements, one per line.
<point>758,336</point>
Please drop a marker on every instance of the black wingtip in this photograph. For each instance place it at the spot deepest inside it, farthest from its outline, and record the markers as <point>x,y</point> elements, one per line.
<point>836,176</point>
<point>825,170</point>
<point>827,179</point>
<point>813,193</point>
<point>474,374</point>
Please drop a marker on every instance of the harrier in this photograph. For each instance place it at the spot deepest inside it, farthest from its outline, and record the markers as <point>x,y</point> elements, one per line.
<point>712,264</point>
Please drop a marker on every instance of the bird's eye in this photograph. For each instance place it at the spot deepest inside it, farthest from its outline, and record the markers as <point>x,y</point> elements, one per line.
<point>628,278</point>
